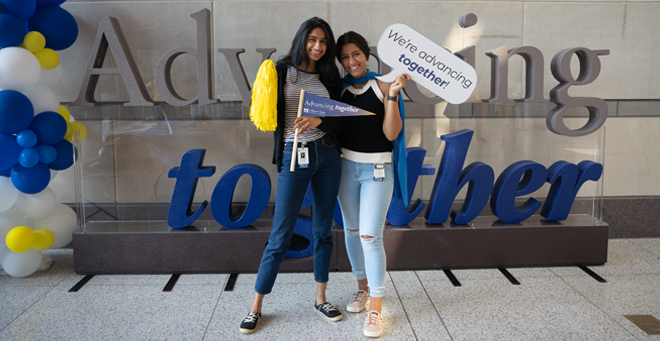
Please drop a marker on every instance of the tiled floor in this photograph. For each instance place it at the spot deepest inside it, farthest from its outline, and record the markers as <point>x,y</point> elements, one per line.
<point>549,304</point>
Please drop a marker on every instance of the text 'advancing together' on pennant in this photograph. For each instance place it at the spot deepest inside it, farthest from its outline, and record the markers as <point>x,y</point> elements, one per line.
<point>314,105</point>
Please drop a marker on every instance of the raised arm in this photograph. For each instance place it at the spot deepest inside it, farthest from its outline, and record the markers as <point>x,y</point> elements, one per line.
<point>392,122</point>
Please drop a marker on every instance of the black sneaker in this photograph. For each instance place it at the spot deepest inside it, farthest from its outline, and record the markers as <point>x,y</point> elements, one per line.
<point>249,323</point>
<point>329,311</point>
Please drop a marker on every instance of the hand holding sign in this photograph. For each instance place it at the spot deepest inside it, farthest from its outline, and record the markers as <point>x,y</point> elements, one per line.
<point>399,83</point>
<point>427,63</point>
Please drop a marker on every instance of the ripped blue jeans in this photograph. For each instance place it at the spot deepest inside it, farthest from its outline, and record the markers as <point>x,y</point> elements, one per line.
<point>364,204</point>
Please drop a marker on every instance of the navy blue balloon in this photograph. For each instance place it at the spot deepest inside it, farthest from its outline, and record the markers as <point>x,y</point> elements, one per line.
<point>64,158</point>
<point>56,24</point>
<point>47,153</point>
<point>28,158</point>
<point>9,151</point>
<point>21,9</point>
<point>16,112</point>
<point>11,31</point>
<point>49,2</point>
<point>30,180</point>
<point>5,172</point>
<point>50,127</point>
<point>26,139</point>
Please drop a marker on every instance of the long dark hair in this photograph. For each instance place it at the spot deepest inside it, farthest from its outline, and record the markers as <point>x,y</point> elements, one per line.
<point>297,55</point>
<point>355,38</point>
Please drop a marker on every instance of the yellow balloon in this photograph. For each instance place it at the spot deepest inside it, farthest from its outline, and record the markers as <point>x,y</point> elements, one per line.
<point>43,239</point>
<point>77,126</point>
<point>20,239</point>
<point>69,132</point>
<point>64,112</point>
<point>34,41</point>
<point>48,59</point>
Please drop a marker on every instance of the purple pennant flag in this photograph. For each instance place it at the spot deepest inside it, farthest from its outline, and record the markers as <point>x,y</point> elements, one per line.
<point>324,107</point>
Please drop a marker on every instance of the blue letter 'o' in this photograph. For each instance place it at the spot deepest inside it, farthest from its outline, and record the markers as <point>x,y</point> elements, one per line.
<point>224,192</point>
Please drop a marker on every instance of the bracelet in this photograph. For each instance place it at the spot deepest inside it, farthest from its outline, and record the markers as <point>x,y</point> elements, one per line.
<point>391,98</point>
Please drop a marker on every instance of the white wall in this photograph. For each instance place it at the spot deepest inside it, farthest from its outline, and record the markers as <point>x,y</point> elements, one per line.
<point>128,160</point>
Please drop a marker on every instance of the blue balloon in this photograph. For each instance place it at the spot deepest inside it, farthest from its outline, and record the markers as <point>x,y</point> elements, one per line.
<point>28,158</point>
<point>56,24</point>
<point>30,180</point>
<point>16,112</point>
<point>26,139</point>
<point>47,154</point>
<point>9,151</point>
<point>49,2</point>
<point>11,31</point>
<point>65,156</point>
<point>21,9</point>
<point>50,127</point>
<point>5,172</point>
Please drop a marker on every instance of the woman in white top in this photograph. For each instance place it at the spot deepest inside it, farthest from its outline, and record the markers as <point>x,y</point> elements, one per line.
<point>368,175</point>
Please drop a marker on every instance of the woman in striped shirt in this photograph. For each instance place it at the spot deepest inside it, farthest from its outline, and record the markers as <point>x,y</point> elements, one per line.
<point>309,65</point>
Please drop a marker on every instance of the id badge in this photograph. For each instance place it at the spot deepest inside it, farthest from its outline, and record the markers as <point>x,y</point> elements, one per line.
<point>379,172</point>
<point>303,157</point>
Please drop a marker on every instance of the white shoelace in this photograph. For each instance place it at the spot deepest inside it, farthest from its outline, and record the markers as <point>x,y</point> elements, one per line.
<point>251,317</point>
<point>327,307</point>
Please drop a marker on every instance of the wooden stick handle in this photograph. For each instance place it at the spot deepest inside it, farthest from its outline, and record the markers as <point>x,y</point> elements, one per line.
<point>294,152</point>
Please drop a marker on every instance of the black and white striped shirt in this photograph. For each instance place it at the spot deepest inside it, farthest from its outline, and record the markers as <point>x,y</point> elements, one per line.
<point>312,84</point>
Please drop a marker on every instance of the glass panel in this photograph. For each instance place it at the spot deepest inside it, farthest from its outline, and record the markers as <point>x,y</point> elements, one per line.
<point>123,164</point>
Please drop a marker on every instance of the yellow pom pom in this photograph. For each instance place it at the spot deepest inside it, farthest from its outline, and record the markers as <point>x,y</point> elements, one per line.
<point>64,112</point>
<point>43,239</point>
<point>263,111</point>
<point>20,239</point>
<point>34,41</point>
<point>48,59</point>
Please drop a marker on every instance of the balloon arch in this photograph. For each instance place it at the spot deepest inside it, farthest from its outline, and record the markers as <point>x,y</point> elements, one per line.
<point>36,132</point>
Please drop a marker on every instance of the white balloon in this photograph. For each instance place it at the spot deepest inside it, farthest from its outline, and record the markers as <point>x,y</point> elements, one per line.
<point>53,174</point>
<point>37,206</point>
<point>61,223</point>
<point>8,220</point>
<point>20,264</point>
<point>51,78</point>
<point>9,194</point>
<point>19,69</point>
<point>43,99</point>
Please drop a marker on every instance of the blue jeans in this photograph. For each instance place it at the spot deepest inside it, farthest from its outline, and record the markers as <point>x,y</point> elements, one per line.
<point>364,204</point>
<point>324,172</point>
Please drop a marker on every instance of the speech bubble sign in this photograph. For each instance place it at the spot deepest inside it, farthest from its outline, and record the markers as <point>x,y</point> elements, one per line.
<point>428,64</point>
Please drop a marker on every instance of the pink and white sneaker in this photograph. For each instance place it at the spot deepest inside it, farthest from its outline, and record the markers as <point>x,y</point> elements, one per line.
<point>373,324</point>
<point>358,302</point>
